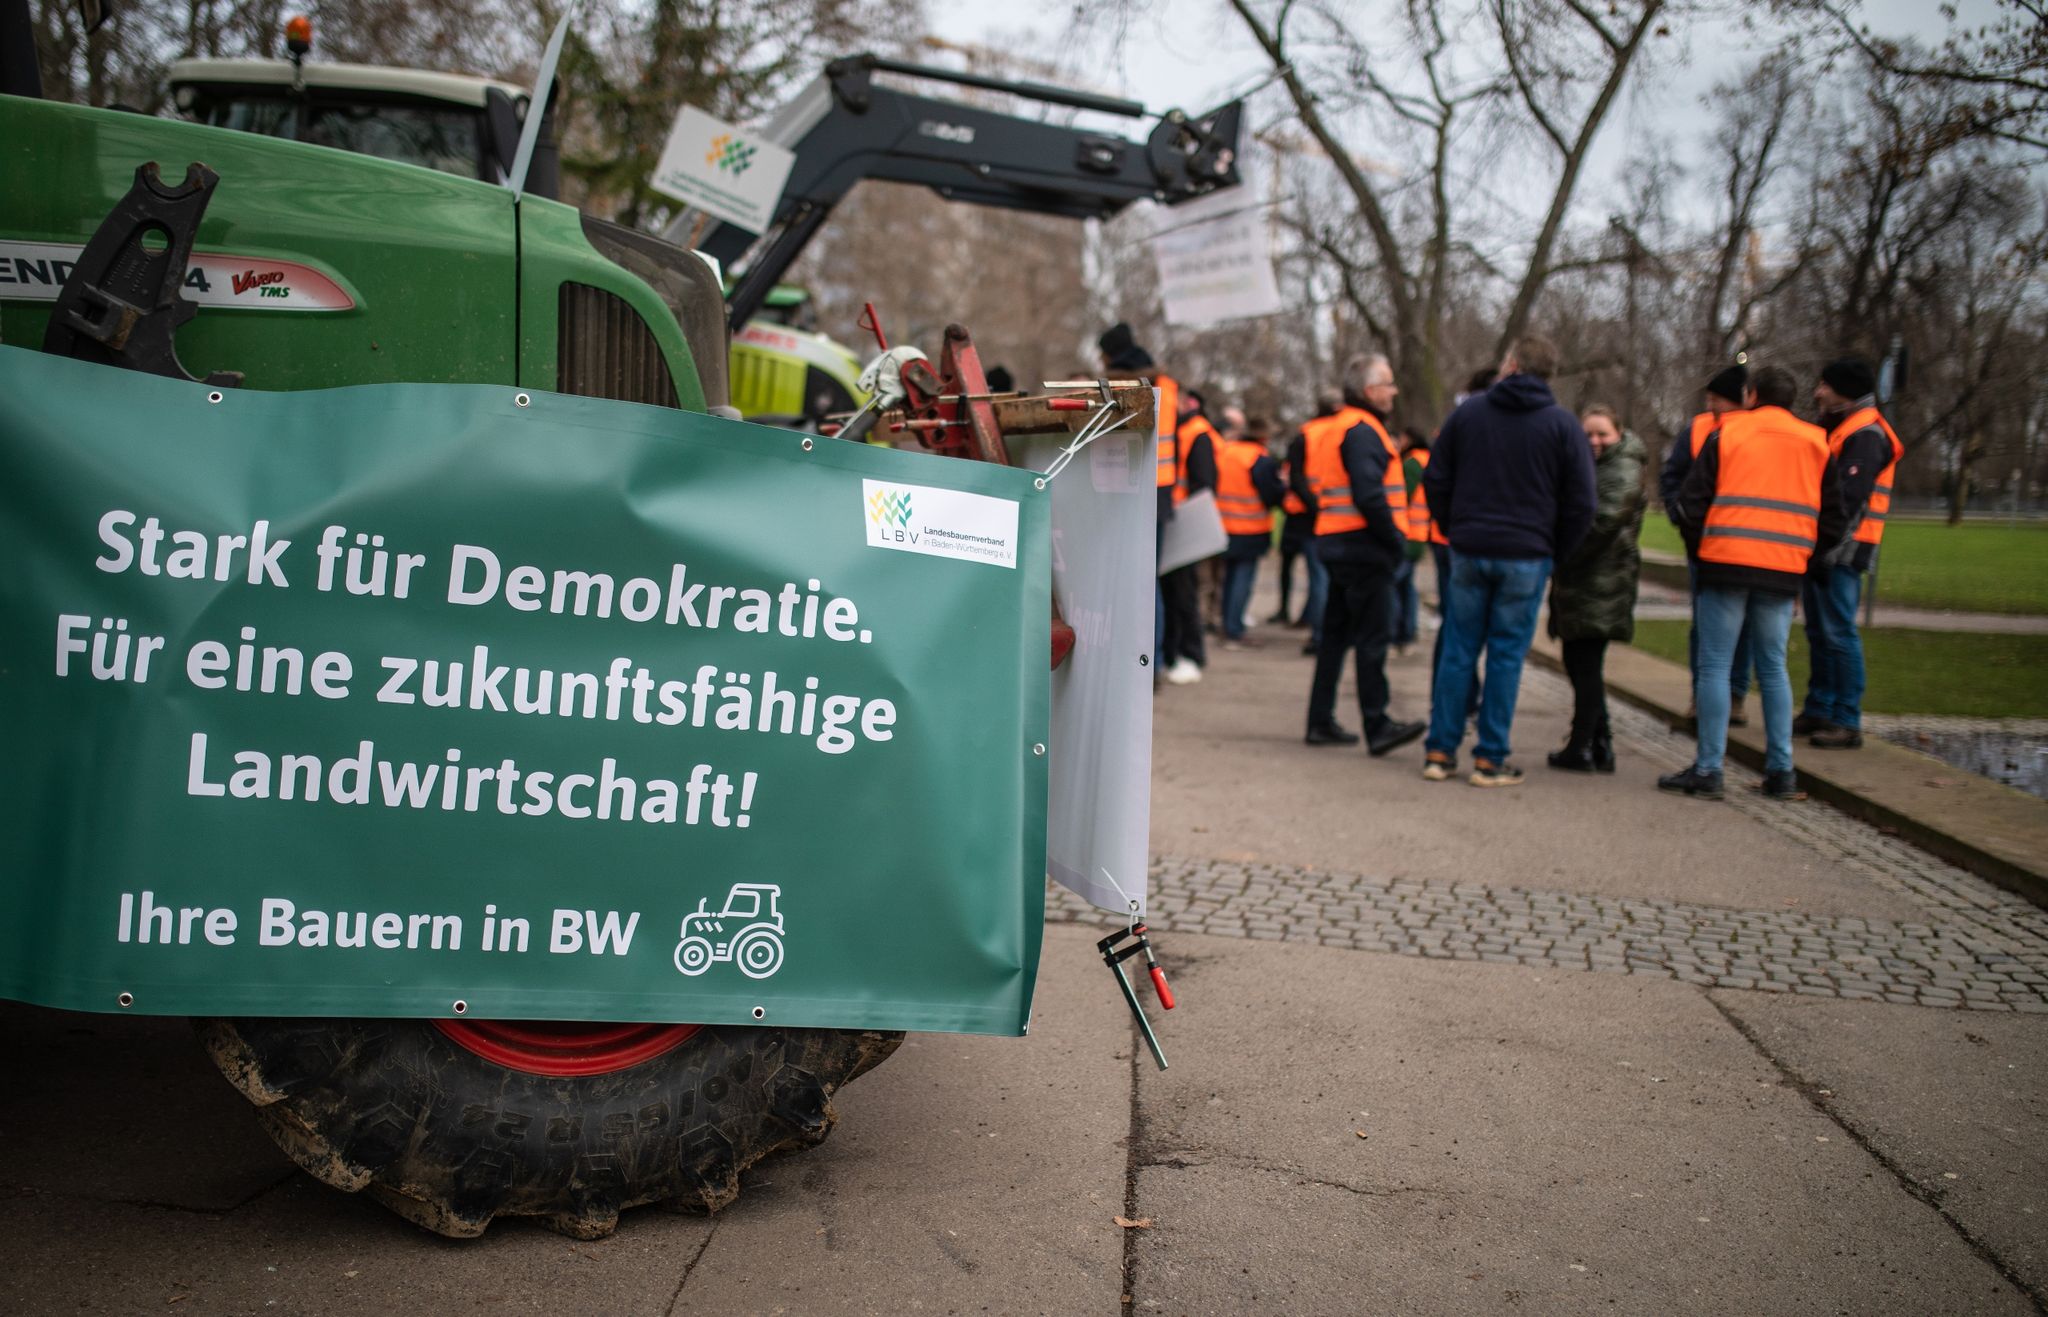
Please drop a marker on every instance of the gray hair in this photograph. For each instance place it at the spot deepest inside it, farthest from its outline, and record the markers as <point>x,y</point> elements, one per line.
<point>1359,372</point>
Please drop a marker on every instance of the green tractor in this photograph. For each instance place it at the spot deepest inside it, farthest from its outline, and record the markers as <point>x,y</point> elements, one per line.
<point>314,267</point>
<point>354,226</point>
<point>782,370</point>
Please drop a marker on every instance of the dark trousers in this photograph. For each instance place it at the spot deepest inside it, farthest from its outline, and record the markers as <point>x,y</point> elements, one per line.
<point>1585,662</point>
<point>1294,541</point>
<point>1183,589</point>
<point>1357,617</point>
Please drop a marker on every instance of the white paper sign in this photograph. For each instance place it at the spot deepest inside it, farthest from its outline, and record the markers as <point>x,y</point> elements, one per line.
<point>1099,787</point>
<point>1215,260</point>
<point>729,173</point>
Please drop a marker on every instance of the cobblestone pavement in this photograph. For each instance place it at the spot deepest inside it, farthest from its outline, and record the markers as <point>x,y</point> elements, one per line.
<point>1978,947</point>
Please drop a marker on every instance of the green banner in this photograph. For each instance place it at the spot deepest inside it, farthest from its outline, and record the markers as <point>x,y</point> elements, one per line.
<point>374,701</point>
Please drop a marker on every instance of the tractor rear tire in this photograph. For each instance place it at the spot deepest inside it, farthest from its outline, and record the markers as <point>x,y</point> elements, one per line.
<point>449,1139</point>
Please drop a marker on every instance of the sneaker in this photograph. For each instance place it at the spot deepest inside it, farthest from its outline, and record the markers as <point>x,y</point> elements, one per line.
<point>1781,786</point>
<point>1330,734</point>
<point>1438,766</point>
<point>1184,672</point>
<point>1310,647</point>
<point>1806,724</point>
<point>1836,738</point>
<point>1494,775</point>
<point>1393,736</point>
<point>1692,782</point>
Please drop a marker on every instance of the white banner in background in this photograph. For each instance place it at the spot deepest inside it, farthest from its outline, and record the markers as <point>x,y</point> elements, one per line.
<point>1215,260</point>
<point>1099,793</point>
<point>729,173</point>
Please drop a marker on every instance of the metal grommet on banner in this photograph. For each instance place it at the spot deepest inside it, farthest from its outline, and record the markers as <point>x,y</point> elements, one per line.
<point>126,999</point>
<point>760,1012</point>
<point>215,396</point>
<point>1038,749</point>
<point>461,1007</point>
<point>521,399</point>
<point>808,445</point>
<point>1038,483</point>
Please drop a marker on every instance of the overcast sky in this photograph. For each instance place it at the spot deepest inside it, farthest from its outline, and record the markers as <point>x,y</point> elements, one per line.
<point>1192,54</point>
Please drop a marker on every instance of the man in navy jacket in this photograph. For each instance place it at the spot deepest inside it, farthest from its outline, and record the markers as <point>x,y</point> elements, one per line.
<point>1510,479</point>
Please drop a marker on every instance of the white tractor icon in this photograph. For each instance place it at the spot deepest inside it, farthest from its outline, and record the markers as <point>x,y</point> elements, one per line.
<point>756,943</point>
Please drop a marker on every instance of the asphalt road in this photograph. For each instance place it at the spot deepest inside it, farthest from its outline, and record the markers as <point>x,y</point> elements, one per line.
<point>1342,1130</point>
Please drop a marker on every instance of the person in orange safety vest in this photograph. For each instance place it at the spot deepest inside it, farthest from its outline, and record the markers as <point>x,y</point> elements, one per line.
<point>1195,443</point>
<point>1122,357</point>
<point>1866,452</point>
<point>1298,530</point>
<point>1361,503</point>
<point>1724,395</point>
<point>1761,502</point>
<point>1248,488</point>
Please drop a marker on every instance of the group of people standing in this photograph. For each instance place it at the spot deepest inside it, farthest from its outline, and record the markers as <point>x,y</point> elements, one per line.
<point>1773,509</point>
<point>1518,499</point>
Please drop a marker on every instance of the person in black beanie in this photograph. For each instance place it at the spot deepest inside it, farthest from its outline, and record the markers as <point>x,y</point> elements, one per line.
<point>1724,396</point>
<point>1864,452</point>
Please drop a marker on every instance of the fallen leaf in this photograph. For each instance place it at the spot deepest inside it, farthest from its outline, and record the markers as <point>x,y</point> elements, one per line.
<point>1950,1175</point>
<point>351,1274</point>
<point>1820,1138</point>
<point>1142,1223</point>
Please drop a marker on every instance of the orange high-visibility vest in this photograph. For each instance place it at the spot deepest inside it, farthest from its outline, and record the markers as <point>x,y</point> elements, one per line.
<point>1237,498</point>
<point>1766,509</point>
<point>1196,426</point>
<point>1336,513</point>
<point>1292,504</point>
<point>1164,425</point>
<point>1420,525</point>
<point>1703,425</point>
<point>1871,529</point>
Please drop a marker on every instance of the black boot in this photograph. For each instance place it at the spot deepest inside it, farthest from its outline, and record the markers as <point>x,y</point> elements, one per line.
<point>1603,747</point>
<point>1576,757</point>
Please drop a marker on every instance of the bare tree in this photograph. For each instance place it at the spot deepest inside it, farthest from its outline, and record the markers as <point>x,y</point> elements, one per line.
<point>1536,53</point>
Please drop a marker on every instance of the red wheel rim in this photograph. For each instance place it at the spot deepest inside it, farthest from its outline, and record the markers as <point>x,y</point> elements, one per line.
<point>546,1047</point>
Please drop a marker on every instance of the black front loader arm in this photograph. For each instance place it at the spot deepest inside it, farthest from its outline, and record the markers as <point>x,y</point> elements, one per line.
<point>844,128</point>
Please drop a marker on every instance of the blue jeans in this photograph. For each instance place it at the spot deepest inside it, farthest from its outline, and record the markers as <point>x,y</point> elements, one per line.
<point>1239,575</point>
<point>1493,605</point>
<point>1740,665</point>
<point>1404,603</point>
<point>1723,616</point>
<point>1318,593</point>
<point>1834,689</point>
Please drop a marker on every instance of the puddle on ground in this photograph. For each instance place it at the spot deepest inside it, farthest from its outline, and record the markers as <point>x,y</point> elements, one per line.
<point>2010,757</point>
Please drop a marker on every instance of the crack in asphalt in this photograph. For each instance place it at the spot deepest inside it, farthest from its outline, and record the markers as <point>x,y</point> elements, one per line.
<point>690,1267</point>
<point>1810,1091</point>
<point>1178,1160</point>
<point>1127,1299</point>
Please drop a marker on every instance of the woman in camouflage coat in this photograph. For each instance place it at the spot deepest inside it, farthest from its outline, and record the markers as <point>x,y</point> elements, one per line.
<point>1593,593</point>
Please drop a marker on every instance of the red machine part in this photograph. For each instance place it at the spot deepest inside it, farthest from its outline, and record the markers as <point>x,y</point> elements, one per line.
<point>559,1049</point>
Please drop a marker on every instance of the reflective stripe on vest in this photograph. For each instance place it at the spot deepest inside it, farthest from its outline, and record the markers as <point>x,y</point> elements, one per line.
<point>1766,509</point>
<point>1419,525</point>
<point>1237,498</point>
<point>1871,529</point>
<point>1336,513</point>
<point>1163,427</point>
<point>1197,426</point>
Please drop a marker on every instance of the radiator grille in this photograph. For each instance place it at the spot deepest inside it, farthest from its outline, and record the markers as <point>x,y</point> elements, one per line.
<point>605,350</point>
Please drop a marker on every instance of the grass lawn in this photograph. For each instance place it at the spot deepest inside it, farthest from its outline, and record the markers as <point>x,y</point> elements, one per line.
<point>1972,568</point>
<point>1934,672</point>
